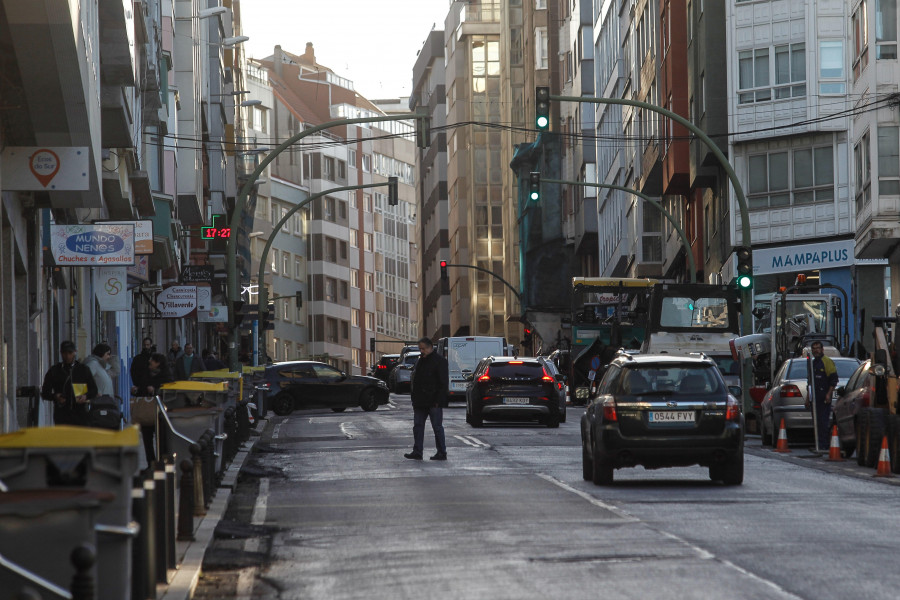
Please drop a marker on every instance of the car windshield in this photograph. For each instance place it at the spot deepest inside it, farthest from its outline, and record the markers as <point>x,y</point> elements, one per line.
<point>410,359</point>
<point>694,312</point>
<point>668,379</point>
<point>844,368</point>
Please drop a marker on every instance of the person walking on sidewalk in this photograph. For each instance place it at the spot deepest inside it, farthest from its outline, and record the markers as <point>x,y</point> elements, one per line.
<point>825,379</point>
<point>188,363</point>
<point>70,386</point>
<point>429,388</point>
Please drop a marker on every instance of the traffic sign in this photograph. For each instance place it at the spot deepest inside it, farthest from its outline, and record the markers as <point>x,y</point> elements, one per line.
<point>595,363</point>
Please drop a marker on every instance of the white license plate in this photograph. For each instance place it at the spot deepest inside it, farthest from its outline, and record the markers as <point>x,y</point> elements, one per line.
<point>517,401</point>
<point>671,416</point>
<point>458,385</point>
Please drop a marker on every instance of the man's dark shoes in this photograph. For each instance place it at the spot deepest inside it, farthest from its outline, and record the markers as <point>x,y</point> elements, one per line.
<point>413,456</point>
<point>439,456</point>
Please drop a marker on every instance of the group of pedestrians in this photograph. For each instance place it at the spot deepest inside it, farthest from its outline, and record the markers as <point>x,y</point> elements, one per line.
<point>72,385</point>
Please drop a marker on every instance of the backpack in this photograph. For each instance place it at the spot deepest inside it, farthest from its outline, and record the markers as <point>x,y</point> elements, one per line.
<point>105,413</point>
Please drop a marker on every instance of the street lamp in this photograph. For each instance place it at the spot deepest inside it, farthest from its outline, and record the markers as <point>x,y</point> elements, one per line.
<point>246,103</point>
<point>205,13</point>
<point>233,41</point>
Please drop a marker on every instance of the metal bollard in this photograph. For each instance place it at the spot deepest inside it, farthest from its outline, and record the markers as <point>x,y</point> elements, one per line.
<point>170,512</point>
<point>186,502</point>
<point>197,460</point>
<point>231,430</point>
<point>159,513</point>
<point>139,547</point>
<point>243,420</point>
<point>150,538</point>
<point>83,558</point>
<point>210,462</point>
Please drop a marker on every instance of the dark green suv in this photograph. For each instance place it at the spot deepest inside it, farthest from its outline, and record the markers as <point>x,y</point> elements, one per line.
<point>663,411</point>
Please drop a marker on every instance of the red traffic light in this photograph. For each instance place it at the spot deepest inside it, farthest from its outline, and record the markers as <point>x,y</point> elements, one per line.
<point>443,263</point>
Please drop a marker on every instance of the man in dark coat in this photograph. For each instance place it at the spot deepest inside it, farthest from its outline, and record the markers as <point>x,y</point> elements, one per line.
<point>188,363</point>
<point>70,386</point>
<point>140,366</point>
<point>429,388</point>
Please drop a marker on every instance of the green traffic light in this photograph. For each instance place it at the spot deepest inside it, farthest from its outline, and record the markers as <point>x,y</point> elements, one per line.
<point>535,196</point>
<point>745,281</point>
<point>542,122</point>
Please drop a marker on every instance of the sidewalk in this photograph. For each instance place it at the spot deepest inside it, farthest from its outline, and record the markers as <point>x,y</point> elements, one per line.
<point>183,580</point>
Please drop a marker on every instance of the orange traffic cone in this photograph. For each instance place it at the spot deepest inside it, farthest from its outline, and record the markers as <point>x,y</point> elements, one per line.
<point>884,460</point>
<point>782,445</point>
<point>834,450</point>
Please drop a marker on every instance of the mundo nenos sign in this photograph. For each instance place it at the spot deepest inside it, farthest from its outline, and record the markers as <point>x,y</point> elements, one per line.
<point>92,245</point>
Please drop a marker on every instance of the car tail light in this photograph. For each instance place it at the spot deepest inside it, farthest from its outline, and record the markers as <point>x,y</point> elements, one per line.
<point>609,409</point>
<point>790,391</point>
<point>486,376</point>
<point>733,409</point>
<point>381,367</point>
<point>546,376</point>
<point>865,397</point>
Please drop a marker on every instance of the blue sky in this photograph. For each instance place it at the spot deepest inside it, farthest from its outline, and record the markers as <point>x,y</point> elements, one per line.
<point>374,43</point>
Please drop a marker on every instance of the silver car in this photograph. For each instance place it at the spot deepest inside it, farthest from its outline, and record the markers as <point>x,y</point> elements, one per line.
<point>786,399</point>
<point>400,378</point>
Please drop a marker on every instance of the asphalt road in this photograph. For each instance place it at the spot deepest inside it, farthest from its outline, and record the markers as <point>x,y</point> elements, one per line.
<point>328,508</point>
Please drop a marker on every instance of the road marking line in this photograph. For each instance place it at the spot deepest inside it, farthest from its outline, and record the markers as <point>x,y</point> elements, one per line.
<point>347,429</point>
<point>701,553</point>
<point>247,576</point>
<point>584,495</point>
<point>472,441</point>
<point>277,430</point>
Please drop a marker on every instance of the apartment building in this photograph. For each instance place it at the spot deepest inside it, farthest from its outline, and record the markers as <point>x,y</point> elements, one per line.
<point>429,96</point>
<point>358,263</point>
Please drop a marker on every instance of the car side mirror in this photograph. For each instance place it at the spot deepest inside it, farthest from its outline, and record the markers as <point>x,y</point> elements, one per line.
<point>735,390</point>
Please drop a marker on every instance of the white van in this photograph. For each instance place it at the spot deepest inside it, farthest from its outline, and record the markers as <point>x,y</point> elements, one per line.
<point>463,355</point>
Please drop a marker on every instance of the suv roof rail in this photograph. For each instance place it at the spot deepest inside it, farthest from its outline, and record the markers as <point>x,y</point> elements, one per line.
<point>701,355</point>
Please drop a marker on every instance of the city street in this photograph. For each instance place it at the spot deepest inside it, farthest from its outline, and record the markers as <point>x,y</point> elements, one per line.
<point>327,507</point>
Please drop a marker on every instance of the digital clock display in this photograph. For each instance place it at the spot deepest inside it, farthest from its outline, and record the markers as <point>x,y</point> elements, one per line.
<point>213,233</point>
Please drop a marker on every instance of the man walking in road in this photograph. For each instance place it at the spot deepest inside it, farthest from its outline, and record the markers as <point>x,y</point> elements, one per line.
<point>429,396</point>
<point>70,386</point>
<point>825,379</point>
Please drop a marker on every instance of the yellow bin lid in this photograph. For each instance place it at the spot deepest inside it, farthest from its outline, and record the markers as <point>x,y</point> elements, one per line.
<point>70,436</point>
<point>218,374</point>
<point>195,386</point>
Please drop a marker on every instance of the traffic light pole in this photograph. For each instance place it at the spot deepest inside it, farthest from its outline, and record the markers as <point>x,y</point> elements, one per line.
<point>233,283</point>
<point>746,293</point>
<point>692,265</point>
<point>263,306</point>
<point>492,274</point>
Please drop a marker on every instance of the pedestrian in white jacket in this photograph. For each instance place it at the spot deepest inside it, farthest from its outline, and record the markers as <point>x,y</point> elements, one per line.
<point>98,363</point>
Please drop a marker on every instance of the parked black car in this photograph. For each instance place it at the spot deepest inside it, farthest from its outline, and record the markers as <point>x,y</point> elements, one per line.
<point>384,366</point>
<point>662,411</point>
<point>306,384</point>
<point>507,388</point>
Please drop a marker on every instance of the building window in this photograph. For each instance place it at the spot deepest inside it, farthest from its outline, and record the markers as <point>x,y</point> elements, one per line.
<point>370,282</point>
<point>790,71</point>
<point>888,160</point>
<point>299,317</point>
<point>863,173</point>
<point>298,224</point>
<point>367,239</point>
<point>342,246</point>
<point>345,330</point>
<point>330,250</point>
<point>370,321</point>
<point>811,170</point>
<point>354,317</point>
<point>351,157</point>
<point>353,200</point>
<point>860,30</point>
<point>285,311</point>
<point>328,168</point>
<point>540,4</point>
<point>298,268</point>
<point>354,354</point>
<point>342,210</point>
<point>354,278</point>
<point>540,48</point>
<point>329,210</point>
<point>886,28</point>
<point>278,348</point>
<point>367,201</point>
<point>260,119</point>
<point>286,264</point>
<point>813,175</point>
<point>330,290</point>
<point>831,66</point>
<point>354,238</point>
<point>367,163</point>
<point>345,291</point>
<point>274,264</point>
<point>753,75</point>
<point>331,330</point>
<point>341,170</point>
